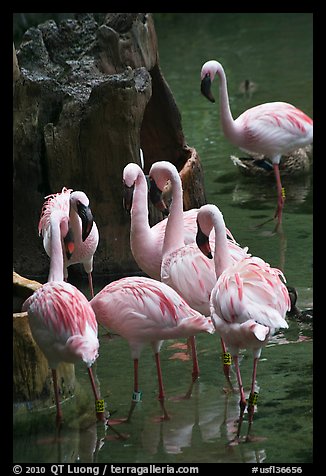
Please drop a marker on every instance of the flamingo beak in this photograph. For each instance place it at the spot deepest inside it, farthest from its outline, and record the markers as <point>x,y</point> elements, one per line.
<point>69,243</point>
<point>203,243</point>
<point>86,216</point>
<point>205,88</point>
<point>128,193</point>
<point>155,195</point>
<point>293,294</point>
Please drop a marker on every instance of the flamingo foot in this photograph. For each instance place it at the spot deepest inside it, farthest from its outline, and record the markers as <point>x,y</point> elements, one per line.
<point>234,442</point>
<point>254,439</point>
<point>165,415</point>
<point>116,421</point>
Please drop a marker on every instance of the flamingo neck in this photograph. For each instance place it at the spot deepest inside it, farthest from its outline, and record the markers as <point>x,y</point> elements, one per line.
<point>222,258</point>
<point>139,209</point>
<point>174,231</point>
<point>76,225</point>
<point>56,262</point>
<point>227,121</point>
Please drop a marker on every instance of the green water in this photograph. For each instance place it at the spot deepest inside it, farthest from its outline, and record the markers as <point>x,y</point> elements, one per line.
<point>275,52</point>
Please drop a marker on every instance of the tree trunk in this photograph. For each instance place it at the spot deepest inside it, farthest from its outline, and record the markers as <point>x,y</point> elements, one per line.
<point>88,97</point>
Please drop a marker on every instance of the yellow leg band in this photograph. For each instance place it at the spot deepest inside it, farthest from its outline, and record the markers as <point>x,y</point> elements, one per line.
<point>99,406</point>
<point>227,359</point>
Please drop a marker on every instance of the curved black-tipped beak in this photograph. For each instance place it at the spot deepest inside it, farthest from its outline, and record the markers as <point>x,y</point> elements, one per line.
<point>155,195</point>
<point>205,88</point>
<point>69,243</point>
<point>86,216</point>
<point>293,294</point>
<point>128,193</point>
<point>203,243</point>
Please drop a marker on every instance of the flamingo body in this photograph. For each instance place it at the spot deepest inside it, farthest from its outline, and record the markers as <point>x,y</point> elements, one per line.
<point>271,129</point>
<point>184,267</point>
<point>61,319</point>
<point>143,311</point>
<point>192,274</point>
<point>63,324</point>
<point>248,302</point>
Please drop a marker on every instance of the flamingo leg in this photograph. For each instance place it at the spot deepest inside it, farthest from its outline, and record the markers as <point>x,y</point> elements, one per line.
<point>252,398</point>
<point>242,402</point>
<point>195,366</point>
<point>280,195</point>
<point>227,360</point>
<point>161,395</point>
<point>90,284</point>
<point>99,403</point>
<point>136,397</point>
<point>56,396</point>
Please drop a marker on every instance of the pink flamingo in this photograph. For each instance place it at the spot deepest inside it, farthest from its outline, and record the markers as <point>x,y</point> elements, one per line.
<point>61,319</point>
<point>184,267</point>
<point>271,129</point>
<point>143,310</point>
<point>248,302</point>
<point>146,242</point>
<point>83,230</point>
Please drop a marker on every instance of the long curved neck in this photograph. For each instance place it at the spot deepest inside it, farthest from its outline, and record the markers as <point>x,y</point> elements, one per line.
<point>56,262</point>
<point>139,209</point>
<point>174,231</point>
<point>227,120</point>
<point>76,225</point>
<point>222,258</point>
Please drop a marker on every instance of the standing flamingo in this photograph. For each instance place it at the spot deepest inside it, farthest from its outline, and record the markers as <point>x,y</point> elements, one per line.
<point>271,129</point>
<point>61,319</point>
<point>146,242</point>
<point>248,302</point>
<point>143,310</point>
<point>184,267</point>
<point>84,232</point>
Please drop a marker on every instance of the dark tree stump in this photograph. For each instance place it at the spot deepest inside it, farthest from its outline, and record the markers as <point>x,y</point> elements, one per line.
<point>88,96</point>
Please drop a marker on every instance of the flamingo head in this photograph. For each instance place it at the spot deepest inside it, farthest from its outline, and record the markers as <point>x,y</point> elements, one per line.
<point>128,193</point>
<point>202,241</point>
<point>132,173</point>
<point>80,203</point>
<point>162,176</point>
<point>207,76</point>
<point>293,294</point>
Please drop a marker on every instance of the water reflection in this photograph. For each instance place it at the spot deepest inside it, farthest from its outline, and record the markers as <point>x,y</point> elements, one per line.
<point>201,427</point>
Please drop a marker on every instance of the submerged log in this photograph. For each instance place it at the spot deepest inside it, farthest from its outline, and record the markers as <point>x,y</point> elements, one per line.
<point>89,95</point>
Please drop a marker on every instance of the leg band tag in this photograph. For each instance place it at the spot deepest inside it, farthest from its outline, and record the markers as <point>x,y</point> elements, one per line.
<point>99,406</point>
<point>227,359</point>
<point>136,396</point>
<point>253,398</point>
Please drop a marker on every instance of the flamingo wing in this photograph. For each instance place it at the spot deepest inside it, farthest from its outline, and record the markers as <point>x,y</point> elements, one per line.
<point>55,201</point>
<point>192,274</point>
<point>63,323</point>
<point>252,290</point>
<point>274,128</point>
<point>143,306</point>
